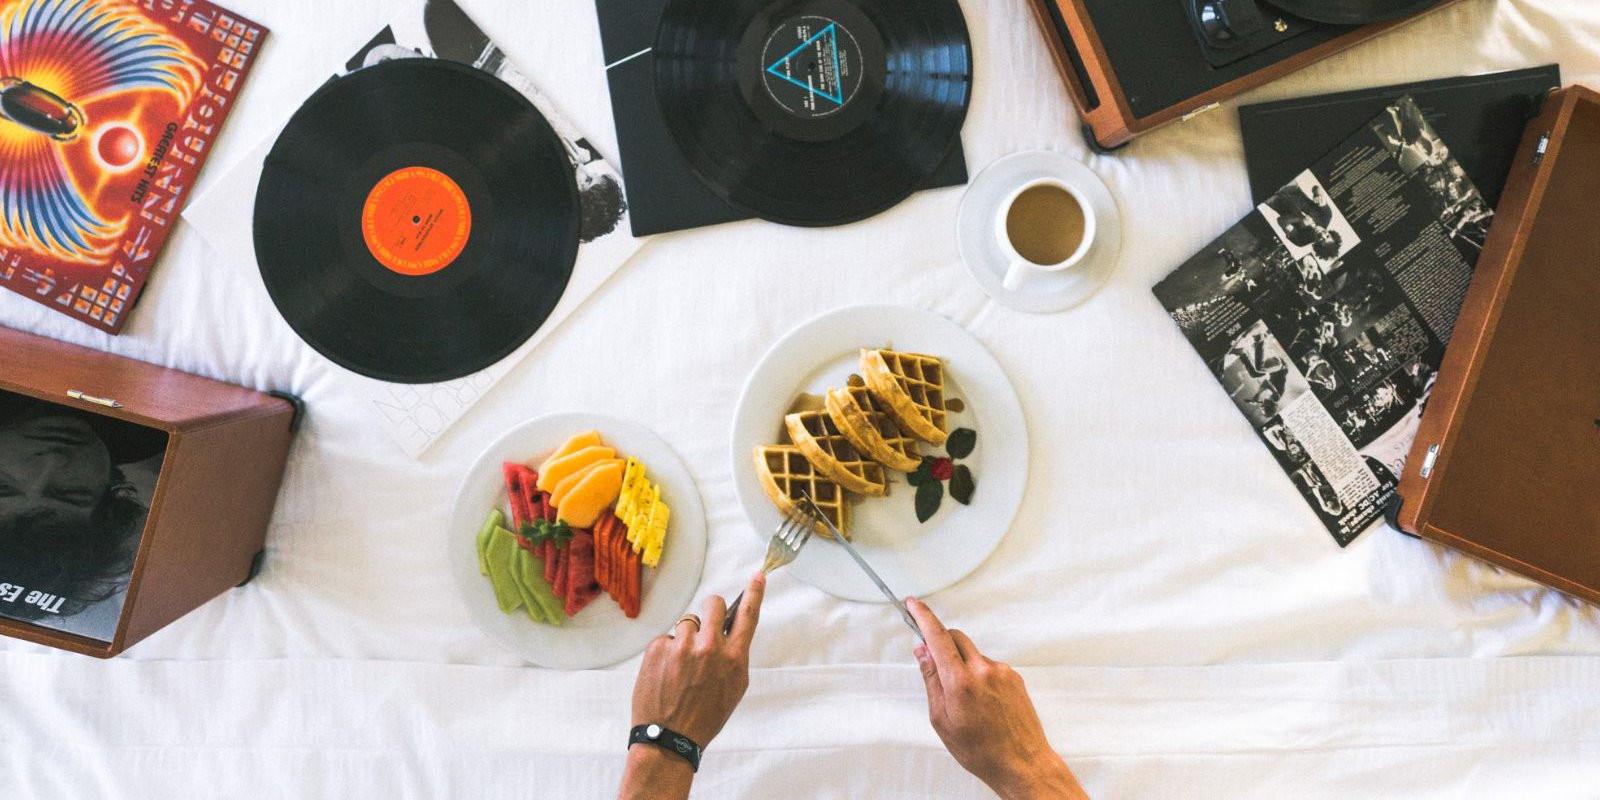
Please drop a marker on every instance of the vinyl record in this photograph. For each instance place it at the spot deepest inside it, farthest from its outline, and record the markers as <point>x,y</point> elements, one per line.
<point>417,221</point>
<point>1353,12</point>
<point>814,112</point>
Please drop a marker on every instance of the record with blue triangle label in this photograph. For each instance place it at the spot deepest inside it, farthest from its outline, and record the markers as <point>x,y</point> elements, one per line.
<point>814,112</point>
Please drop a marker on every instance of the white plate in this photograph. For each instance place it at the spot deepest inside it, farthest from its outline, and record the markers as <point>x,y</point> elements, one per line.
<point>600,635</point>
<point>1042,292</point>
<point>913,558</point>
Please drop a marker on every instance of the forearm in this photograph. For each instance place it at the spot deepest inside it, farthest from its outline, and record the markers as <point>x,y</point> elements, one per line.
<point>654,773</point>
<point>1046,778</point>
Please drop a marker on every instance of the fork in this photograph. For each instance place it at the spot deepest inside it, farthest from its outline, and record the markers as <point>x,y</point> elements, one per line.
<point>792,534</point>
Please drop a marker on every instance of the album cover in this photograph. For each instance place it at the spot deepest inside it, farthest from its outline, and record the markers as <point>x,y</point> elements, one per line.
<point>417,415</point>
<point>75,489</point>
<point>1325,313</point>
<point>108,110</point>
<point>663,191</point>
<point>1482,116</point>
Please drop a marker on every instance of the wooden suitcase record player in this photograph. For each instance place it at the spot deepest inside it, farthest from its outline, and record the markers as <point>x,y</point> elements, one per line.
<point>1506,465</point>
<point>130,494</point>
<point>1131,66</point>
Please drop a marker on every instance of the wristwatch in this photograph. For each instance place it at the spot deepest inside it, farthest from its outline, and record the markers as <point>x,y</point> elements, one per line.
<point>668,740</point>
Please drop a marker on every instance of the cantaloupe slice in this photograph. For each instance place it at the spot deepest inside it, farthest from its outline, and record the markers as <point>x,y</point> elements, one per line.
<point>584,504</point>
<point>552,473</point>
<point>573,445</point>
<point>559,496</point>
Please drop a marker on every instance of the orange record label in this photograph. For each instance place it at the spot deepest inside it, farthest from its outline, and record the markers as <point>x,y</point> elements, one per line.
<point>416,221</point>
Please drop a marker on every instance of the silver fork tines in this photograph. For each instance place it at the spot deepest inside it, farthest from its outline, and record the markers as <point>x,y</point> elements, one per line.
<point>791,536</point>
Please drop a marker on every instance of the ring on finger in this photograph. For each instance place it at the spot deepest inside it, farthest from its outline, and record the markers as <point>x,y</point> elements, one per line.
<point>694,618</point>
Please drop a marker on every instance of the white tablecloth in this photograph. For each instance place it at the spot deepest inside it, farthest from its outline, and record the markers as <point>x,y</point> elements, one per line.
<point>1187,627</point>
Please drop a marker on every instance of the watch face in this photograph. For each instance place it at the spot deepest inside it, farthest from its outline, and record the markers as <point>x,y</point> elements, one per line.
<point>654,731</point>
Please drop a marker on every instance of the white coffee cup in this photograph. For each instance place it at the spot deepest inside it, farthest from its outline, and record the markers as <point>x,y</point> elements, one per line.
<point>1020,268</point>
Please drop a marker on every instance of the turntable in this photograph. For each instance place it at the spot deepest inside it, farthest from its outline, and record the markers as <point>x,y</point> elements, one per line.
<point>1134,65</point>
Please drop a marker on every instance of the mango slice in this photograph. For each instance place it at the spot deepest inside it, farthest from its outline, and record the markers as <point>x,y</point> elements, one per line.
<point>582,505</point>
<point>554,472</point>
<point>573,445</point>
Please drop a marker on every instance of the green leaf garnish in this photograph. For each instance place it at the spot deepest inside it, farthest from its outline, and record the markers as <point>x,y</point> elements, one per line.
<point>541,531</point>
<point>924,473</point>
<point>962,485</point>
<point>930,496</point>
<point>961,442</point>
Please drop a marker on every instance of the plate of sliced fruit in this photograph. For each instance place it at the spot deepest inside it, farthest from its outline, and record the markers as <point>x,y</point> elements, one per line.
<point>906,433</point>
<point>576,539</point>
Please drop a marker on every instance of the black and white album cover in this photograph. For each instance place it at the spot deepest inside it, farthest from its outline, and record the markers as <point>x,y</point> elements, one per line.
<point>1325,313</point>
<point>75,489</point>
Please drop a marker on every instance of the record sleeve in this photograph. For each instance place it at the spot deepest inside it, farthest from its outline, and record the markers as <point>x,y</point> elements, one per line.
<point>108,111</point>
<point>1482,116</point>
<point>815,113</point>
<point>663,194</point>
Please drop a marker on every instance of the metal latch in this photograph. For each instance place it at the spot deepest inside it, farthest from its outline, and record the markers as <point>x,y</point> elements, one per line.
<point>99,401</point>
<point>1542,148</point>
<point>1201,110</point>
<point>1429,460</point>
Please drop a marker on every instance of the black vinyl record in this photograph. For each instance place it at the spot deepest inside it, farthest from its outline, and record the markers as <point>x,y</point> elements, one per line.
<point>1353,12</point>
<point>814,112</point>
<point>417,221</point>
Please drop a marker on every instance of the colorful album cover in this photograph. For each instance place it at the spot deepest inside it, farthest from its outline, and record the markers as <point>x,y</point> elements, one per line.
<point>75,492</point>
<point>108,109</point>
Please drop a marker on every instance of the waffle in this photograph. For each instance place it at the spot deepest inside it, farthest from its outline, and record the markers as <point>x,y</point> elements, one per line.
<point>832,454</point>
<point>786,475</point>
<point>911,386</point>
<point>863,421</point>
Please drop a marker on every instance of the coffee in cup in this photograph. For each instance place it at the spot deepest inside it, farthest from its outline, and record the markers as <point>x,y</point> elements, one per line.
<point>1044,226</point>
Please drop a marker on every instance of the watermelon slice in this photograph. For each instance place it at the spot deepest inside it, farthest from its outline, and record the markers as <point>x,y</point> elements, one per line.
<point>520,512</point>
<point>579,586</point>
<point>530,495</point>
<point>562,570</point>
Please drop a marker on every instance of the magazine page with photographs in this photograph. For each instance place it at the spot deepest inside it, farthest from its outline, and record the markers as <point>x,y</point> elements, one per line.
<point>1325,313</point>
<point>75,489</point>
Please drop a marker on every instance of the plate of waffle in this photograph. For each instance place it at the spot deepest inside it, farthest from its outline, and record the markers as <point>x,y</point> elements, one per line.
<point>906,433</point>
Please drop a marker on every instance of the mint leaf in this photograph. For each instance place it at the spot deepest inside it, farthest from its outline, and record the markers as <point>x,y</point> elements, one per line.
<point>961,442</point>
<point>923,474</point>
<point>930,496</point>
<point>962,485</point>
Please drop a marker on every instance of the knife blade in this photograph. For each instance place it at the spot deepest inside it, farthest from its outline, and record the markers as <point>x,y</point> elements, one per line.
<point>861,562</point>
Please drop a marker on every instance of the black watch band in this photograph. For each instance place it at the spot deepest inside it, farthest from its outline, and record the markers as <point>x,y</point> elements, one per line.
<point>668,740</point>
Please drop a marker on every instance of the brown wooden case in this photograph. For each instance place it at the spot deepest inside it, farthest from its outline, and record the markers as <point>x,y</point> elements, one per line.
<point>219,478</point>
<point>1506,465</point>
<point>1088,69</point>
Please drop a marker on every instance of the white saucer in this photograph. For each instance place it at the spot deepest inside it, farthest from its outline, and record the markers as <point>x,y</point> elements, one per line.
<point>1041,292</point>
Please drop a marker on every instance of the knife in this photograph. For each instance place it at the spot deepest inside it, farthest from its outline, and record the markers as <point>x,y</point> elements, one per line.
<point>865,567</point>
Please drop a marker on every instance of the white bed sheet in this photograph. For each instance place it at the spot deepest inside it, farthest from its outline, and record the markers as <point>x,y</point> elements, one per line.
<point>1187,627</point>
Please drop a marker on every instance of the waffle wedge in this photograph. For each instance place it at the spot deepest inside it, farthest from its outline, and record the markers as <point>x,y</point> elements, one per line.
<point>786,475</point>
<point>911,387</point>
<point>869,427</point>
<point>832,455</point>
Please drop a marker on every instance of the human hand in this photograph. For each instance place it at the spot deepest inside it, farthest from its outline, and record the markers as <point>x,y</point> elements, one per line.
<point>981,711</point>
<point>691,681</point>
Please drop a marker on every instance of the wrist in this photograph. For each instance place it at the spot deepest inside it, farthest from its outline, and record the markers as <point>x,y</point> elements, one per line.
<point>1045,777</point>
<point>654,773</point>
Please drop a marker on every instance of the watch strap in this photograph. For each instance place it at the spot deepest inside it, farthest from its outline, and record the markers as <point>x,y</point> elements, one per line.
<point>668,740</point>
